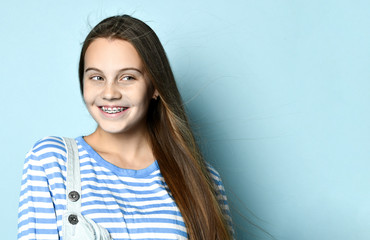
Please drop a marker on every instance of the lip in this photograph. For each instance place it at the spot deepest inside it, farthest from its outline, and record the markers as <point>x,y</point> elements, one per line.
<point>113,115</point>
<point>111,106</point>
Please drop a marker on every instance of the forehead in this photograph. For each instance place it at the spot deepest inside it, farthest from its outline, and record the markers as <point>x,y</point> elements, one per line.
<point>112,54</point>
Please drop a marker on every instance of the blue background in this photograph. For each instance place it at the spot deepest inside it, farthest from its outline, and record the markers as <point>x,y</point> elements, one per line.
<point>278,92</point>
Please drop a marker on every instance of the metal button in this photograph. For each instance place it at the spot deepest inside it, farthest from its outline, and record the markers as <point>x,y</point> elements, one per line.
<point>74,196</point>
<point>73,219</point>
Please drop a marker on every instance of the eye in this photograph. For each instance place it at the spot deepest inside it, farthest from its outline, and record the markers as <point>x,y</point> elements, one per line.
<point>97,78</point>
<point>127,78</point>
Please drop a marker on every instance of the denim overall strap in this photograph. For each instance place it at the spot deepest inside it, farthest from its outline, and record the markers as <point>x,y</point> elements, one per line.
<point>73,190</point>
<point>73,184</point>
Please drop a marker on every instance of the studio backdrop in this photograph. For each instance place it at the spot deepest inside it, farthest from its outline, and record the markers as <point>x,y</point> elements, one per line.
<point>277,92</point>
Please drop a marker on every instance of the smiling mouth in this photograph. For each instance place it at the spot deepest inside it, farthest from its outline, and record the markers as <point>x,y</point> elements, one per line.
<point>112,110</point>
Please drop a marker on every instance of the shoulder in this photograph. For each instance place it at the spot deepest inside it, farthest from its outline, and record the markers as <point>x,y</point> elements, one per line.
<point>216,181</point>
<point>48,144</point>
<point>214,174</point>
<point>46,151</point>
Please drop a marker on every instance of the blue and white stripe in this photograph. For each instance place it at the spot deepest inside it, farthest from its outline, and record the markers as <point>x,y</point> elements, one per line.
<point>130,204</point>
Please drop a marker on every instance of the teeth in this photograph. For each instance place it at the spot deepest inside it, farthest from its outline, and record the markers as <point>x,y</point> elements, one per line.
<point>113,110</point>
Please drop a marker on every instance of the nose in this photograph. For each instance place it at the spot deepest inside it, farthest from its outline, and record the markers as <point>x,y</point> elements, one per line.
<point>111,92</point>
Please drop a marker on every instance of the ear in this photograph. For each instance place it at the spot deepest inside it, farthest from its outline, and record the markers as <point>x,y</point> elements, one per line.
<point>155,94</point>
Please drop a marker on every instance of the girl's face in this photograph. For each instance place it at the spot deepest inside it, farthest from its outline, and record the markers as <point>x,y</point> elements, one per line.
<point>116,91</point>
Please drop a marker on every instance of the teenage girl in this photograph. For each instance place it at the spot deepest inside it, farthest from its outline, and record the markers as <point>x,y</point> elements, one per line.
<point>140,174</point>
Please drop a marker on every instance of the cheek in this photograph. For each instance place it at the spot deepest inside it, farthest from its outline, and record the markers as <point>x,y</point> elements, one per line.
<point>88,94</point>
<point>88,98</point>
<point>85,97</point>
<point>140,96</point>
<point>146,99</point>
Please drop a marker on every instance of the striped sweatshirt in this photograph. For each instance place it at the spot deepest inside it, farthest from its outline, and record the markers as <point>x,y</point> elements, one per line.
<point>130,204</point>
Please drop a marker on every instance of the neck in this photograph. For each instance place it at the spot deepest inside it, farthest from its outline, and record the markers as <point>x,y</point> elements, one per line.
<point>126,150</point>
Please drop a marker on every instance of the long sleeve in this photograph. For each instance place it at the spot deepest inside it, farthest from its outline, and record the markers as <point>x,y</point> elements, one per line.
<point>36,213</point>
<point>221,197</point>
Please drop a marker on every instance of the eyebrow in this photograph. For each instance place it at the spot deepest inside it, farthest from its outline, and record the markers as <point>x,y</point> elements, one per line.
<point>121,70</point>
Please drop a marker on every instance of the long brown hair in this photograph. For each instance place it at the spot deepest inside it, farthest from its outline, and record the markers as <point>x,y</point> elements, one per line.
<point>173,143</point>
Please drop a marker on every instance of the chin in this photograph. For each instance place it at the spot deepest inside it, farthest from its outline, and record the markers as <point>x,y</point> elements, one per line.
<point>112,130</point>
<point>120,129</point>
